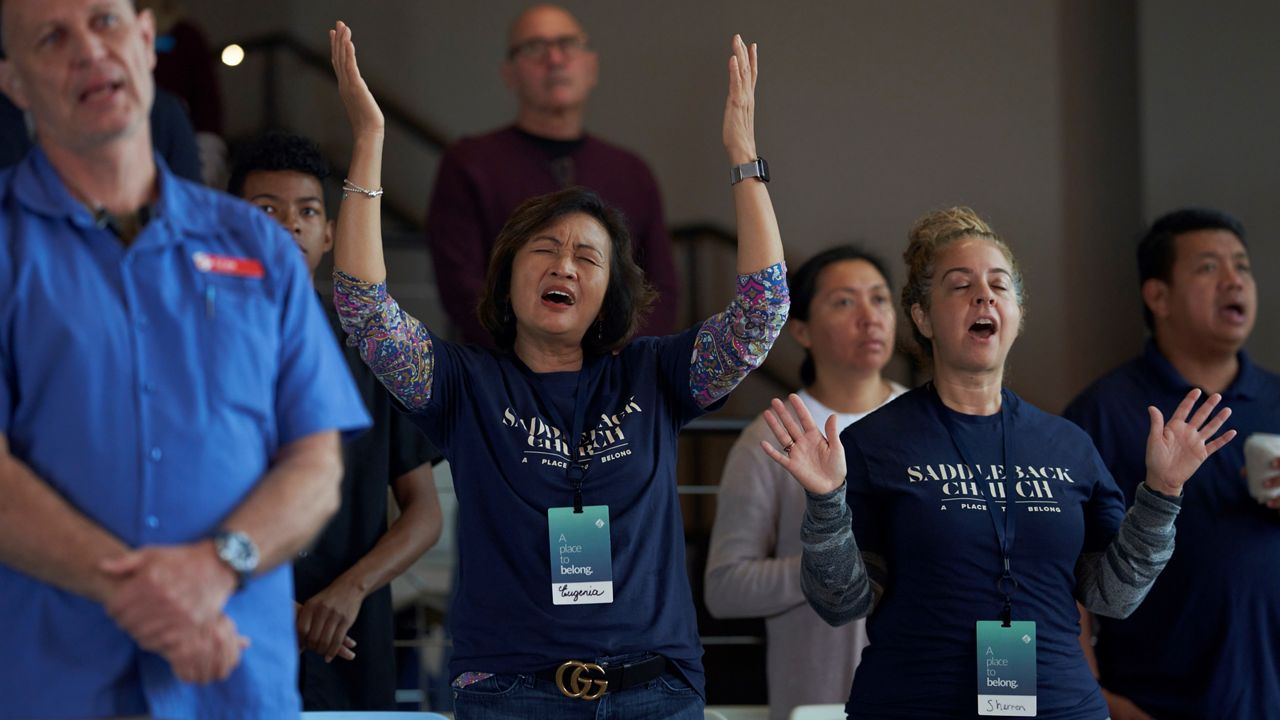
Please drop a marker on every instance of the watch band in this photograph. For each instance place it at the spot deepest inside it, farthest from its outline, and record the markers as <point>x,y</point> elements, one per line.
<point>757,168</point>
<point>237,551</point>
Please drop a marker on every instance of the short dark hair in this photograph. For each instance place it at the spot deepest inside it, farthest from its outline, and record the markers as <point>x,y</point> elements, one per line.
<point>277,150</point>
<point>804,285</point>
<point>1157,250</point>
<point>626,300</point>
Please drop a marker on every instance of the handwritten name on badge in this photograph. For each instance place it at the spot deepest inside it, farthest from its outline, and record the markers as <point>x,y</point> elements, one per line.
<point>575,594</point>
<point>1001,707</point>
<point>1006,668</point>
<point>581,561</point>
<point>227,265</point>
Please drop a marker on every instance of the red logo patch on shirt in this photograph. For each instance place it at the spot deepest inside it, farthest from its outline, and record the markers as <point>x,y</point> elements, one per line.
<point>227,265</point>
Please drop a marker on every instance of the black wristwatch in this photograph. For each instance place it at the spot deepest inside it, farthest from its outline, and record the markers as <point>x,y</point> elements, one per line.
<point>757,168</point>
<point>239,553</point>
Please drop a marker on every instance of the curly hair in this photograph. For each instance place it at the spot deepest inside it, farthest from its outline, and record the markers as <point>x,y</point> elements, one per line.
<point>627,299</point>
<point>273,151</point>
<point>927,238</point>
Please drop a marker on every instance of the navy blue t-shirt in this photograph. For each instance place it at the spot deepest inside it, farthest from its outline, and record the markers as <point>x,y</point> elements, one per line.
<point>503,429</point>
<point>918,504</point>
<point>1206,641</point>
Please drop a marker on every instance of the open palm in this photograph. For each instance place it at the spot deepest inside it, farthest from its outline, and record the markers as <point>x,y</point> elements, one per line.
<point>362,109</point>
<point>1177,448</point>
<point>739,132</point>
<point>815,459</point>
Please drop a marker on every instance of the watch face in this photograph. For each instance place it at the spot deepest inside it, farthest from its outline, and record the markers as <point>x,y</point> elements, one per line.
<point>757,168</point>
<point>238,551</point>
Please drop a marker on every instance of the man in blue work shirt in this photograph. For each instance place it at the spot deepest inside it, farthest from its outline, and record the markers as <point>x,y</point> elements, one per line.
<point>1206,641</point>
<point>170,408</point>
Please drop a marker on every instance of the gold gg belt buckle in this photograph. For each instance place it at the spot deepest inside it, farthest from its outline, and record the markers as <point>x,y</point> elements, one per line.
<point>586,688</point>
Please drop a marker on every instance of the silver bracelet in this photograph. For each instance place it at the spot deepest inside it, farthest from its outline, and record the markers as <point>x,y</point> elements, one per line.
<point>350,187</point>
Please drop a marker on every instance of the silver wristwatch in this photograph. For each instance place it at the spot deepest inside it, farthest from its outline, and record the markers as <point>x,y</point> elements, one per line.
<point>239,553</point>
<point>757,168</point>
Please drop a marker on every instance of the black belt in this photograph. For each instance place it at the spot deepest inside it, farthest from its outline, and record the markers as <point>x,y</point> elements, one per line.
<point>588,681</point>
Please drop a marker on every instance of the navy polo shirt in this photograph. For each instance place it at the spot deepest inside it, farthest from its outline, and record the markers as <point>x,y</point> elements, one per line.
<point>151,386</point>
<point>1206,641</point>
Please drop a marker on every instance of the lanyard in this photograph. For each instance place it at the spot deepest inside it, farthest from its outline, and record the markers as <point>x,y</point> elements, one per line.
<point>1006,531</point>
<point>577,470</point>
<point>577,467</point>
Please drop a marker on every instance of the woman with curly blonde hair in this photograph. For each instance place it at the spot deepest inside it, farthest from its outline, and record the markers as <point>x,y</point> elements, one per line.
<point>974,521</point>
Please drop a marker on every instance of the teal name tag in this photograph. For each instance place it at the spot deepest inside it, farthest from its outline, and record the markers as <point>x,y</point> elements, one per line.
<point>581,559</point>
<point>1007,668</point>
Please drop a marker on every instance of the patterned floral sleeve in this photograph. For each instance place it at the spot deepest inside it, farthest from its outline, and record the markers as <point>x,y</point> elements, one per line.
<point>735,342</point>
<point>392,342</point>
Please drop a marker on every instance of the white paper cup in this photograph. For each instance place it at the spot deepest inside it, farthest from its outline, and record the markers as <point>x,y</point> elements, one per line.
<point>1259,450</point>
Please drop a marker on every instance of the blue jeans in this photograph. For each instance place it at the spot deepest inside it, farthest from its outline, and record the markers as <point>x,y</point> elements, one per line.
<point>526,697</point>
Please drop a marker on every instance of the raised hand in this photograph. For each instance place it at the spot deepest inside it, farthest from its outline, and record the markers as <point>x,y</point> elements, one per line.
<point>1176,449</point>
<point>362,110</point>
<point>740,106</point>
<point>814,459</point>
<point>357,246</point>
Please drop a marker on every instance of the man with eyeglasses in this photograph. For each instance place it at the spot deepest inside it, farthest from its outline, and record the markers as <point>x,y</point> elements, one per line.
<point>551,69</point>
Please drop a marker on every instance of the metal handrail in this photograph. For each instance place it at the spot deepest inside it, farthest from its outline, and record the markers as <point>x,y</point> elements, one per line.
<point>395,113</point>
<point>690,235</point>
<point>391,110</point>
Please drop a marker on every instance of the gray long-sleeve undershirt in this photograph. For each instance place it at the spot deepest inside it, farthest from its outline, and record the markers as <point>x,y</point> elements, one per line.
<point>843,584</point>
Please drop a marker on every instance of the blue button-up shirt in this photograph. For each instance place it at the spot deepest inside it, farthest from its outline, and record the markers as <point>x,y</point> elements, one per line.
<point>151,386</point>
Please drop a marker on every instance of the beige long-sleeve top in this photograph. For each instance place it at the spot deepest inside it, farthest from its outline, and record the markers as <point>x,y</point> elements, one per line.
<point>753,570</point>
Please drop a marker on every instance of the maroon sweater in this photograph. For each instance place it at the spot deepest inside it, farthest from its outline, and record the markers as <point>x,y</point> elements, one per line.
<point>482,180</point>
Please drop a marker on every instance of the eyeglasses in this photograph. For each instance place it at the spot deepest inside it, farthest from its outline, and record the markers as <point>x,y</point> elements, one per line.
<point>540,48</point>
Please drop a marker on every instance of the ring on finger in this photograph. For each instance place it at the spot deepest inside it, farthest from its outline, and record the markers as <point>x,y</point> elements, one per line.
<point>787,450</point>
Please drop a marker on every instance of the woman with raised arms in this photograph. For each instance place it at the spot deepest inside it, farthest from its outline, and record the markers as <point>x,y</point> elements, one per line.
<point>572,597</point>
<point>973,520</point>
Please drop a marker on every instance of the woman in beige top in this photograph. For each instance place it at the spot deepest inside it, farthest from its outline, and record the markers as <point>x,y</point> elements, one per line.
<point>842,312</point>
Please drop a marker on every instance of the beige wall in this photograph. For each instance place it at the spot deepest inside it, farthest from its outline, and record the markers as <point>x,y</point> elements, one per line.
<point>1032,111</point>
<point>1210,74</point>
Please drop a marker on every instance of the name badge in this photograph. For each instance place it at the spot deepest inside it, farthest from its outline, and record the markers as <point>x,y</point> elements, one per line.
<point>227,265</point>
<point>581,559</point>
<point>1007,668</point>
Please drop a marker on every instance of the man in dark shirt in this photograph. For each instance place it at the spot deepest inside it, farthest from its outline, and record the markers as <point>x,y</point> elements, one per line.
<point>551,69</point>
<point>341,583</point>
<point>1206,642</point>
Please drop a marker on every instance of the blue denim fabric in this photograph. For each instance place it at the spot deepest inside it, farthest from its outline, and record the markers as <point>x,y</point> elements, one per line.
<point>526,697</point>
